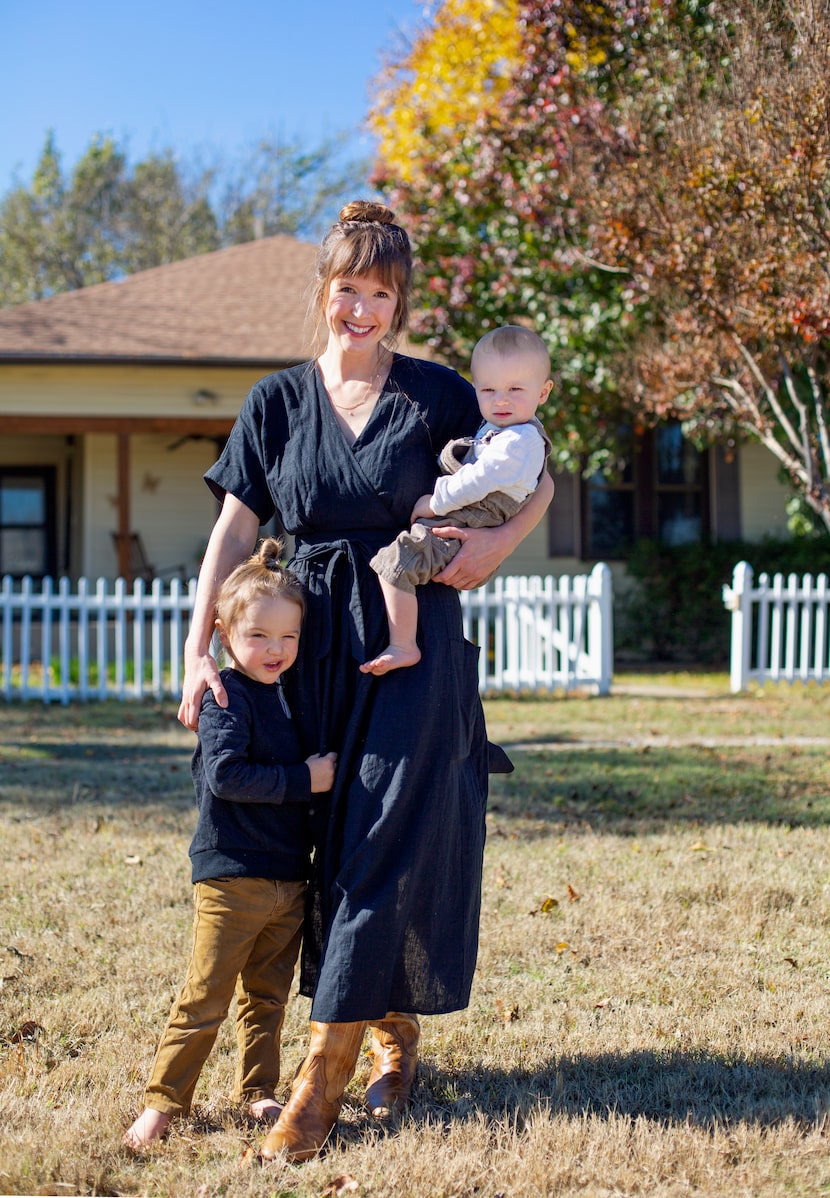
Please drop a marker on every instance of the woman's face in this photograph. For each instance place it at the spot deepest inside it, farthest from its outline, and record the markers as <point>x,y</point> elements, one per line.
<point>360,311</point>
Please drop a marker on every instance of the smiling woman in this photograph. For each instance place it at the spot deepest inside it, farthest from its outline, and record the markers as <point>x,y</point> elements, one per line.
<point>362,309</point>
<point>360,313</point>
<point>340,449</point>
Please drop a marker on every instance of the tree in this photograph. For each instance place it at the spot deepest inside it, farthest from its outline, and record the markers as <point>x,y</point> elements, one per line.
<point>164,217</point>
<point>456,70</point>
<point>713,194</point>
<point>650,192</point>
<point>107,219</point>
<point>282,187</point>
<point>58,235</point>
<point>498,228</point>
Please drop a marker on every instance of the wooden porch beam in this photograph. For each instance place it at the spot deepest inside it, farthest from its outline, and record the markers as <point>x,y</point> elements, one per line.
<point>124,517</point>
<point>65,426</point>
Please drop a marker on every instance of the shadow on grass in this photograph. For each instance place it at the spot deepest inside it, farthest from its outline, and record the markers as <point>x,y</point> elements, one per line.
<point>87,774</point>
<point>676,1087</point>
<point>638,791</point>
<point>138,753</point>
<point>622,791</point>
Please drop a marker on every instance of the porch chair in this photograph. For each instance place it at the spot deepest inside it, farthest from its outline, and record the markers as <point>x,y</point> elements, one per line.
<point>139,566</point>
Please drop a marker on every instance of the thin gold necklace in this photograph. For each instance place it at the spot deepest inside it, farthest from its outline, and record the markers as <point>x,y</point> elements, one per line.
<point>370,386</point>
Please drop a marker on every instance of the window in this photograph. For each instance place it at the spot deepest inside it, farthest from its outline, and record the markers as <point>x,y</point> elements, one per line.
<point>661,493</point>
<point>27,521</point>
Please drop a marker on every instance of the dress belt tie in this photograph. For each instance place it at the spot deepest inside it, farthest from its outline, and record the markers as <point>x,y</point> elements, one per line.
<point>338,555</point>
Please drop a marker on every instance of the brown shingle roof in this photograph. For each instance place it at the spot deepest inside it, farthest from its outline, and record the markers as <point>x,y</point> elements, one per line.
<point>244,304</point>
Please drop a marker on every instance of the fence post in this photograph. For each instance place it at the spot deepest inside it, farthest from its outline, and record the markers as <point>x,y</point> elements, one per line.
<point>738,600</point>
<point>8,629</point>
<point>601,627</point>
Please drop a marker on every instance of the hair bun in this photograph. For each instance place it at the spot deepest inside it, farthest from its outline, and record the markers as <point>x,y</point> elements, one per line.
<point>364,211</point>
<point>269,553</point>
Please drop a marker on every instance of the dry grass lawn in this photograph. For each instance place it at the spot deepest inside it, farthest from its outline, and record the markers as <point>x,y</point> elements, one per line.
<point>650,1014</point>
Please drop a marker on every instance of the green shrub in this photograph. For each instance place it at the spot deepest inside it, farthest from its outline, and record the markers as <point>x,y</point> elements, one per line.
<point>672,610</point>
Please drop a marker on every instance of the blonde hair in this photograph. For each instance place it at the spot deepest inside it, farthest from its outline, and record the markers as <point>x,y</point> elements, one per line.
<point>366,240</point>
<point>261,576</point>
<point>513,339</point>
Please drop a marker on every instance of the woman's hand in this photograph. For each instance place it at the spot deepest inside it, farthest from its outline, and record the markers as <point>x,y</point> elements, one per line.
<point>200,674</point>
<point>231,541</point>
<point>482,552</point>
<point>484,549</point>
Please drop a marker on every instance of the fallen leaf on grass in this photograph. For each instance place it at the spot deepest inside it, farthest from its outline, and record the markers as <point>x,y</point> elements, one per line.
<point>573,895</point>
<point>562,947</point>
<point>346,1184</point>
<point>548,904</point>
<point>26,1031</point>
<point>249,1155</point>
<point>17,953</point>
<point>792,961</point>
<point>132,861</point>
<point>700,847</point>
<point>603,1002</point>
<point>505,1015</point>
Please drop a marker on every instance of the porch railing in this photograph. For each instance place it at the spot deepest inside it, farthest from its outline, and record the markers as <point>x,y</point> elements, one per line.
<point>60,641</point>
<point>780,628</point>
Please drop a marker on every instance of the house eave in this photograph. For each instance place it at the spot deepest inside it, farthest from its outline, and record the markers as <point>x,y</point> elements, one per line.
<point>200,360</point>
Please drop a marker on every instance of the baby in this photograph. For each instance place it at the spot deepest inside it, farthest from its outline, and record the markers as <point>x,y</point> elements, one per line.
<point>486,480</point>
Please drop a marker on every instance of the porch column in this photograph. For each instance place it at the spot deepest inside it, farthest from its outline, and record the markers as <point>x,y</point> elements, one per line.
<point>124,520</point>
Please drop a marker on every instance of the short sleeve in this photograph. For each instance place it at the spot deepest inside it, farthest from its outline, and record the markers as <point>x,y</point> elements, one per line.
<point>242,468</point>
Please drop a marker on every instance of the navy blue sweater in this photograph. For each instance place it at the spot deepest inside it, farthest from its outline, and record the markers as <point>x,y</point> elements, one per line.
<point>252,785</point>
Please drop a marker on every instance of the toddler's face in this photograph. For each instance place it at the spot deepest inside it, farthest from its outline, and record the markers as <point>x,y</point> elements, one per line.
<point>509,387</point>
<point>264,641</point>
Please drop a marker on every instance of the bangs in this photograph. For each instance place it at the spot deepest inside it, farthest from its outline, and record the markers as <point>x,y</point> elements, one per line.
<point>358,256</point>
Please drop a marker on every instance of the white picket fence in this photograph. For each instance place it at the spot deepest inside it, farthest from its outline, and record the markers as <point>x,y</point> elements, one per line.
<point>105,640</point>
<point>780,628</point>
<point>93,642</point>
<point>543,633</point>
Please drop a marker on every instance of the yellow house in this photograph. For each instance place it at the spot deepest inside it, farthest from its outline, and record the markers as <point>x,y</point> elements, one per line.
<point>115,399</point>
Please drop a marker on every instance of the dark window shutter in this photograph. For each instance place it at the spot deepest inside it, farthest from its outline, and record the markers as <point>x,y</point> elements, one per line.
<point>725,494</point>
<point>563,517</point>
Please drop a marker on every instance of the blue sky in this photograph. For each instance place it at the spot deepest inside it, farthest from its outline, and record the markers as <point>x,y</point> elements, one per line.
<point>194,77</point>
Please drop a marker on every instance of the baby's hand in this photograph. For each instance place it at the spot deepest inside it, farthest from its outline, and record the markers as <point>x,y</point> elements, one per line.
<point>322,771</point>
<point>422,509</point>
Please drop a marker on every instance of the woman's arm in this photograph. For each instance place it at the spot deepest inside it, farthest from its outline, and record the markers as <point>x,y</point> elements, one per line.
<point>232,540</point>
<point>484,549</point>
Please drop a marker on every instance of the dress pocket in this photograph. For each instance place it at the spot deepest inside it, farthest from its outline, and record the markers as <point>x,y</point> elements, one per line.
<point>467,706</point>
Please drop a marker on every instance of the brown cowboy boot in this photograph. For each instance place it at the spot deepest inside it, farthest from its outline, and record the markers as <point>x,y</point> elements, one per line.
<point>395,1045</point>
<point>316,1096</point>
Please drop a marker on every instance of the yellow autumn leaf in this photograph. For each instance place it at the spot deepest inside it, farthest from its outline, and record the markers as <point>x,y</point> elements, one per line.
<point>454,71</point>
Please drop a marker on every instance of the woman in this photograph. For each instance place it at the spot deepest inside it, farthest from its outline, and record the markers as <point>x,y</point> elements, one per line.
<point>341,448</point>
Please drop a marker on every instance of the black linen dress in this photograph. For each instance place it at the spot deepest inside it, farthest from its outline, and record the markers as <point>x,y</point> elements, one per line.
<point>393,925</point>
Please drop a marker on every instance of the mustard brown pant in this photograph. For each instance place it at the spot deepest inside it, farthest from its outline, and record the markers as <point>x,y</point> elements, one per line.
<point>246,937</point>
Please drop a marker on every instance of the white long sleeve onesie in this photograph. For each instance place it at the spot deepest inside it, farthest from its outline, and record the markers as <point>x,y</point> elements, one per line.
<point>508,460</point>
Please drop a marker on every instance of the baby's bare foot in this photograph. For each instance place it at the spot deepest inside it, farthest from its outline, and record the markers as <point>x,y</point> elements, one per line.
<point>265,1110</point>
<point>394,657</point>
<point>149,1126</point>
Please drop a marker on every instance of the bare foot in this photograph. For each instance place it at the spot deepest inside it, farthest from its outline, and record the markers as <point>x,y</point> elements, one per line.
<point>149,1126</point>
<point>394,657</point>
<point>265,1110</point>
